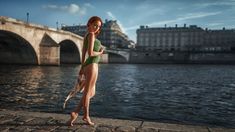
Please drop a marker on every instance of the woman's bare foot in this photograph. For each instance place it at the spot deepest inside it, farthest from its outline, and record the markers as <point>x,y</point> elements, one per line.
<point>88,121</point>
<point>74,116</point>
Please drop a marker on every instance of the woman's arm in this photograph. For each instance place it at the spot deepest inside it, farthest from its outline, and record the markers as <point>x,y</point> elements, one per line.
<point>83,56</point>
<point>91,40</point>
<point>83,52</point>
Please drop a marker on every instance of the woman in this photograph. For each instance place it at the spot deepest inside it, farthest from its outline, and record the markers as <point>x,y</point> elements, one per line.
<point>93,47</point>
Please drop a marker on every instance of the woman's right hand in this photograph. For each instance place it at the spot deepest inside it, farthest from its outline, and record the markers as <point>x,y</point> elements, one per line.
<point>101,50</point>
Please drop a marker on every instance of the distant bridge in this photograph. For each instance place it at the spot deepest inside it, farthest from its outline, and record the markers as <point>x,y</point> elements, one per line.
<point>118,55</point>
<point>27,43</point>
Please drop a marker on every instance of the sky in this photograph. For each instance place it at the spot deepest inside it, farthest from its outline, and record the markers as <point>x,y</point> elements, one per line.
<point>130,14</point>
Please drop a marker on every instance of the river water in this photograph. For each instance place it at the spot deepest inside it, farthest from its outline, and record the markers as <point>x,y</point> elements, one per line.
<point>191,94</point>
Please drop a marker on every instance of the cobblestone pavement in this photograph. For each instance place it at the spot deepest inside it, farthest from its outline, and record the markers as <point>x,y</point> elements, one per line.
<point>24,121</point>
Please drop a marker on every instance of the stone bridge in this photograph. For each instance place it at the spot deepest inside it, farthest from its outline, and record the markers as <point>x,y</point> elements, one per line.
<point>118,55</point>
<point>26,43</point>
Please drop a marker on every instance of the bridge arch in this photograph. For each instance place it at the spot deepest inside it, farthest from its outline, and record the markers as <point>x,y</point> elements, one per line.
<point>44,41</point>
<point>116,58</point>
<point>15,49</point>
<point>69,52</point>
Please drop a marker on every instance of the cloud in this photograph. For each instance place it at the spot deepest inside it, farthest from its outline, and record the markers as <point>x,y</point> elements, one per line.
<point>110,15</point>
<point>197,15</point>
<point>214,24</point>
<point>72,8</point>
<point>132,28</point>
<point>89,5</point>
<point>221,3</point>
<point>51,6</point>
<point>180,19</point>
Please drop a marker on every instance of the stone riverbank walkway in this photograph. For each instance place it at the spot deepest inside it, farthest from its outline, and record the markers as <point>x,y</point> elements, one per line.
<point>24,121</point>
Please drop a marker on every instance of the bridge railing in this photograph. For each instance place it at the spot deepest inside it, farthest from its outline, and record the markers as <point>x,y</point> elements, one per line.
<point>4,20</point>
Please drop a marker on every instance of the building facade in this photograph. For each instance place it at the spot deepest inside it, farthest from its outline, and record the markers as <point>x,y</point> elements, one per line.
<point>219,40</point>
<point>185,38</point>
<point>110,36</point>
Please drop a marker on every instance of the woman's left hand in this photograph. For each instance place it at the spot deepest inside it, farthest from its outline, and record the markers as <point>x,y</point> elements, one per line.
<point>81,71</point>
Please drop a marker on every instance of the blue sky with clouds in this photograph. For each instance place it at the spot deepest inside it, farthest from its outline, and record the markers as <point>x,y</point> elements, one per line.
<point>130,14</point>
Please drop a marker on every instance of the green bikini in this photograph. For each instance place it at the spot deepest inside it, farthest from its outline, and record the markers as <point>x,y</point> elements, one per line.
<point>92,59</point>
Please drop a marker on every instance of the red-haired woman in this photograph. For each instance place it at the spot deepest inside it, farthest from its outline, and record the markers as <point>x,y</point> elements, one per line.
<point>93,47</point>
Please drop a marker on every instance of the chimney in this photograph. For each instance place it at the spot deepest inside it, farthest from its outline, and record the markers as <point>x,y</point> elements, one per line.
<point>176,25</point>
<point>165,25</point>
<point>141,27</point>
<point>184,25</point>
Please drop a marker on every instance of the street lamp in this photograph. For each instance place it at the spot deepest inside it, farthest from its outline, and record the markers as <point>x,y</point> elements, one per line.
<point>27,17</point>
<point>57,25</point>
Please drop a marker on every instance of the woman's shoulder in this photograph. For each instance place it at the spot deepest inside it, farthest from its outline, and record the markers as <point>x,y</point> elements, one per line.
<point>89,34</point>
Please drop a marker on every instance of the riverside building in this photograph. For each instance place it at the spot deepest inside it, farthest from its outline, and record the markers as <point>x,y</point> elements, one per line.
<point>111,34</point>
<point>191,38</point>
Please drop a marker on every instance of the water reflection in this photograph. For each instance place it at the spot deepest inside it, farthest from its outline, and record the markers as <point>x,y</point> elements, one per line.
<point>198,94</point>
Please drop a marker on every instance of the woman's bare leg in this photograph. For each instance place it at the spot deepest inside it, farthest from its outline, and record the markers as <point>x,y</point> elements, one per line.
<point>74,114</point>
<point>92,71</point>
<point>91,96</point>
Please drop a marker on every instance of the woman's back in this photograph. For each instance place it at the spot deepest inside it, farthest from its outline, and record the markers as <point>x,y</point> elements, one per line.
<point>97,46</point>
